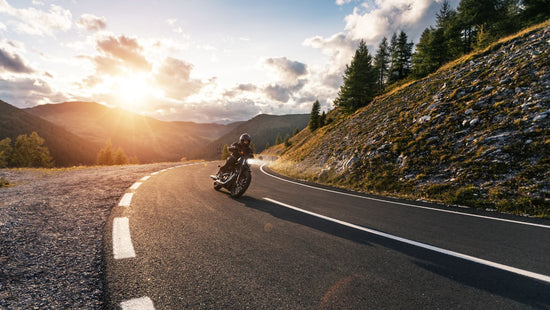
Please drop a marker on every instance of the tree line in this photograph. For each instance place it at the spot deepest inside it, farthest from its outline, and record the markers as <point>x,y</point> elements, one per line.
<point>107,156</point>
<point>30,151</point>
<point>473,25</point>
<point>26,151</point>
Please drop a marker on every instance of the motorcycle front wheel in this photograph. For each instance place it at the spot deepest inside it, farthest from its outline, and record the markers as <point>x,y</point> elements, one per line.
<point>241,184</point>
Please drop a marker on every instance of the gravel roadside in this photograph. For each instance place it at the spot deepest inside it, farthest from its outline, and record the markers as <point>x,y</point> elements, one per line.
<point>51,224</point>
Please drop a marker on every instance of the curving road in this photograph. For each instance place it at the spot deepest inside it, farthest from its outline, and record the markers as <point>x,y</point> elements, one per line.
<point>284,245</point>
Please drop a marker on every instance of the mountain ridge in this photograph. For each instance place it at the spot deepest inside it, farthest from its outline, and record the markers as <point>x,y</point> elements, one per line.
<point>263,129</point>
<point>66,148</point>
<point>149,139</point>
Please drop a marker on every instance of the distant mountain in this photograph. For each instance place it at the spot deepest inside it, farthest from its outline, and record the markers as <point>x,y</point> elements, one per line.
<point>149,139</point>
<point>66,148</point>
<point>263,129</point>
<point>474,133</point>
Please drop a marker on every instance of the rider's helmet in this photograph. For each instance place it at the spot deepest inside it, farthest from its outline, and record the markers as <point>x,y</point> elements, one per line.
<point>245,139</point>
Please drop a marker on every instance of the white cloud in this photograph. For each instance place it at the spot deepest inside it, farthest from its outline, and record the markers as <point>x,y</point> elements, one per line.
<point>37,22</point>
<point>286,69</point>
<point>371,23</point>
<point>342,2</point>
<point>174,78</point>
<point>91,22</point>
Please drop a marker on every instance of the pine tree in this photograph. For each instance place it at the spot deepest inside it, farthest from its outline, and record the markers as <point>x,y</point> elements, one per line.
<point>287,140</point>
<point>381,63</point>
<point>401,57</point>
<point>105,155</point>
<point>314,116</point>
<point>279,139</point>
<point>323,119</point>
<point>120,157</point>
<point>359,86</point>
<point>535,11</point>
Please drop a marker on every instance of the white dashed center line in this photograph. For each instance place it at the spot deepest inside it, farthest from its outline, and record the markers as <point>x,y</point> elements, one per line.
<point>126,200</point>
<point>122,242</point>
<point>143,303</point>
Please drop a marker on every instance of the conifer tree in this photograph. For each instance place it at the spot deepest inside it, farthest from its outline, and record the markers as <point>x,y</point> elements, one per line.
<point>279,139</point>
<point>105,155</point>
<point>381,63</point>
<point>287,140</point>
<point>359,86</point>
<point>323,119</point>
<point>401,57</point>
<point>120,158</point>
<point>314,116</point>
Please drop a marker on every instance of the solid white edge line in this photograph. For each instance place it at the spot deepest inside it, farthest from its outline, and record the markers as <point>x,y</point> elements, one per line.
<point>143,303</point>
<point>522,272</point>
<point>122,242</point>
<point>405,204</point>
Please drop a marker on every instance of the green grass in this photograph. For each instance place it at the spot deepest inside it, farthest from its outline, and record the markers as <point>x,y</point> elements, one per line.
<point>4,182</point>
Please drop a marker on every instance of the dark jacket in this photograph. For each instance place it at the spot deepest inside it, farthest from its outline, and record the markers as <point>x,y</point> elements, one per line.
<point>237,150</point>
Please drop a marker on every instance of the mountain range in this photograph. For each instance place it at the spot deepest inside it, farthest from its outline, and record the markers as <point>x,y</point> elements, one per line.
<point>75,132</point>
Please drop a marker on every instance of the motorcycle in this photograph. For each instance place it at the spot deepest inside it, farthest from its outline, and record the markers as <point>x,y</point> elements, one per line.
<point>236,180</point>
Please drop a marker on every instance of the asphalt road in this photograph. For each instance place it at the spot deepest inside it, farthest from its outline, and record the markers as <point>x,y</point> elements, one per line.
<point>198,248</point>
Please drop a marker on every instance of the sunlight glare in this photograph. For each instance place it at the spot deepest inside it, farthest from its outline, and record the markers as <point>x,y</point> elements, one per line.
<point>135,91</point>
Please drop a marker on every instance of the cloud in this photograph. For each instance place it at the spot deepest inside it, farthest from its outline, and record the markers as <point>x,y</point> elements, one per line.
<point>342,2</point>
<point>225,111</point>
<point>120,54</point>
<point>339,47</point>
<point>13,63</point>
<point>284,92</point>
<point>371,23</point>
<point>37,22</point>
<point>28,92</point>
<point>91,22</point>
<point>286,68</point>
<point>174,78</point>
<point>240,89</point>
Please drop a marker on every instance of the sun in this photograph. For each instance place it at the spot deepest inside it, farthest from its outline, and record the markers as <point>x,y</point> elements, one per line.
<point>134,91</point>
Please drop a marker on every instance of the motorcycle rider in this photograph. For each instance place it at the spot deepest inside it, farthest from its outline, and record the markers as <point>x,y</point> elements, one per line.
<point>237,149</point>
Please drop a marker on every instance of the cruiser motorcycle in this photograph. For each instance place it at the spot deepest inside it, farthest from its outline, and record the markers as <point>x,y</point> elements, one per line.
<point>236,180</point>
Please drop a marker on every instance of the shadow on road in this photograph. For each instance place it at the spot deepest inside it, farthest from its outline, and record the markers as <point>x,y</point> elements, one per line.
<point>522,289</point>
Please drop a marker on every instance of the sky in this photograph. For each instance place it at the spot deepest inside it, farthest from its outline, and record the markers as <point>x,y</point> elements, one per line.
<point>204,61</point>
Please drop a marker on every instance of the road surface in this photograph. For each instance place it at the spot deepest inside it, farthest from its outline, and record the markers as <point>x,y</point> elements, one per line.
<point>174,243</point>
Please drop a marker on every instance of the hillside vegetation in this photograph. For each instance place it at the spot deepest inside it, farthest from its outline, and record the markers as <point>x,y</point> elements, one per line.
<point>475,133</point>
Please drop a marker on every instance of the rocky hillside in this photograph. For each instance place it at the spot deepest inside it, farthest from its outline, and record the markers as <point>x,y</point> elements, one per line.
<point>475,133</point>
